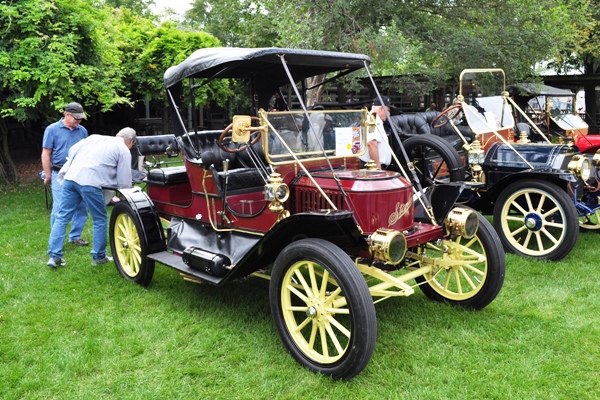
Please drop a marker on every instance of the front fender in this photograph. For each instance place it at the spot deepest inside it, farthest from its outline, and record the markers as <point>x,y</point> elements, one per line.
<point>486,198</point>
<point>337,227</point>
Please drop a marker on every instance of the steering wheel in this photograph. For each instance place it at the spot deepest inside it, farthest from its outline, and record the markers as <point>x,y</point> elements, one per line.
<point>446,115</point>
<point>225,141</point>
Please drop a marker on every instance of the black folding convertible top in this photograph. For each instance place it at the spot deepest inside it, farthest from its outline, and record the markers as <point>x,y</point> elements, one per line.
<point>233,62</point>
<point>537,89</point>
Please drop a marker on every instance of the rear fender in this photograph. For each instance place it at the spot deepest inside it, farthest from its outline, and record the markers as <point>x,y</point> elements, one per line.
<point>146,213</point>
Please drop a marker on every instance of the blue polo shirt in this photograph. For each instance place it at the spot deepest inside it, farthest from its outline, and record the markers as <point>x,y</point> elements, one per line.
<point>59,138</point>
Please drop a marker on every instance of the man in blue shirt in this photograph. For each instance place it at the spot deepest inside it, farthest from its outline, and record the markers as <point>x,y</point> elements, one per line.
<point>92,164</point>
<point>59,137</point>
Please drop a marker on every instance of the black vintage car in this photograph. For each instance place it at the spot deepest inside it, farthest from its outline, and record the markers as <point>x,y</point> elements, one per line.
<point>538,192</point>
<point>281,195</point>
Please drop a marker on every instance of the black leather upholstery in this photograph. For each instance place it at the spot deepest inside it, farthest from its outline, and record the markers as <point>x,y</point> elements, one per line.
<point>241,174</point>
<point>420,123</point>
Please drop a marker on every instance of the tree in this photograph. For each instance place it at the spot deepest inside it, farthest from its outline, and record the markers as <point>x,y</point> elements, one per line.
<point>435,39</point>
<point>139,7</point>
<point>149,50</point>
<point>583,54</point>
<point>49,58</point>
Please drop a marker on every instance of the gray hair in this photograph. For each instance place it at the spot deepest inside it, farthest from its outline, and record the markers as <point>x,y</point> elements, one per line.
<point>127,134</point>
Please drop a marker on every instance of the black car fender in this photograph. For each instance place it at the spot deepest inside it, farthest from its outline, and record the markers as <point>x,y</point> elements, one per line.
<point>147,215</point>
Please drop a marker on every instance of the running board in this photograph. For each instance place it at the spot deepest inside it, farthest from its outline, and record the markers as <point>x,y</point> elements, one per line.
<point>174,261</point>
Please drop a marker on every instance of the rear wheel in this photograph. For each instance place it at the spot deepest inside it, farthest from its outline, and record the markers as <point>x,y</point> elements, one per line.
<point>129,245</point>
<point>476,279</point>
<point>435,160</point>
<point>322,308</point>
<point>590,222</point>
<point>537,219</point>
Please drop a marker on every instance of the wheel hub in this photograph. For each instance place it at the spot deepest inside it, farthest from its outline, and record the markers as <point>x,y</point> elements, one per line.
<point>125,245</point>
<point>311,312</point>
<point>533,222</point>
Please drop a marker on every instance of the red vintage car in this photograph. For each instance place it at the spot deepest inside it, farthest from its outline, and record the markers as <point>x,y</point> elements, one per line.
<point>282,195</point>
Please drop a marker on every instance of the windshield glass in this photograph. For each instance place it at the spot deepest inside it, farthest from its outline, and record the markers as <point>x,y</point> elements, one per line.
<point>331,133</point>
<point>487,113</point>
<point>562,112</point>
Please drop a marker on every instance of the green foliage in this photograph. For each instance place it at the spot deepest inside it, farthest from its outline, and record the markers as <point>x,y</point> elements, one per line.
<point>431,38</point>
<point>237,23</point>
<point>49,58</point>
<point>139,7</point>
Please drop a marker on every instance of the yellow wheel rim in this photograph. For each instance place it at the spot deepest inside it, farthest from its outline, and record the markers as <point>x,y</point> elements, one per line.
<point>533,222</point>
<point>315,312</point>
<point>459,281</point>
<point>127,245</point>
<point>591,221</point>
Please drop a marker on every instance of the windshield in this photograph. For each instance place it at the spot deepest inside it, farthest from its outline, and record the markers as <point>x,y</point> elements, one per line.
<point>487,113</point>
<point>323,133</point>
<point>562,112</point>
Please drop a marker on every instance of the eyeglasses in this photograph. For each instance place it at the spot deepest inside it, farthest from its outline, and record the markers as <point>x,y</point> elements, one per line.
<point>76,119</point>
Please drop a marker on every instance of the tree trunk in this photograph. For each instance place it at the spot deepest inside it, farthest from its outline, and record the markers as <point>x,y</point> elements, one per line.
<point>8,169</point>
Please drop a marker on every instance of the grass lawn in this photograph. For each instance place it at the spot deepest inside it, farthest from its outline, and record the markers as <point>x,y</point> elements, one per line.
<point>83,332</point>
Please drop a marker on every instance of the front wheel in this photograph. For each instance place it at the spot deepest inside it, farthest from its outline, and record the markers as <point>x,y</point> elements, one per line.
<point>537,219</point>
<point>474,272</point>
<point>129,246</point>
<point>322,308</point>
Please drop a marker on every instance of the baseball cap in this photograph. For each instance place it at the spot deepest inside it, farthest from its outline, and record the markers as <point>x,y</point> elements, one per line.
<point>386,101</point>
<point>76,110</point>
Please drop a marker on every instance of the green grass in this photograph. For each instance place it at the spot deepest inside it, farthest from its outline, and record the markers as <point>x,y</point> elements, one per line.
<point>83,332</point>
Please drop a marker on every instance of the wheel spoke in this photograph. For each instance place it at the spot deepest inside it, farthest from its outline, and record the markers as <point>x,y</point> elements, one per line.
<point>552,211</point>
<point>294,290</point>
<point>527,239</point>
<point>539,241</point>
<point>518,207</point>
<point>324,347</point>
<point>528,200</point>
<point>303,282</point>
<point>467,278</point>
<point>334,338</point>
<point>339,326</point>
<point>549,236</point>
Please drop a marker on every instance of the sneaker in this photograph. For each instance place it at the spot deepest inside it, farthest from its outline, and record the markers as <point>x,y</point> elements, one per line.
<point>79,242</point>
<point>101,261</point>
<point>54,262</point>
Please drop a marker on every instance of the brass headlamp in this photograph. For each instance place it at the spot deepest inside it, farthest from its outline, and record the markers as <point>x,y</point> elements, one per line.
<point>462,222</point>
<point>388,245</point>
<point>580,166</point>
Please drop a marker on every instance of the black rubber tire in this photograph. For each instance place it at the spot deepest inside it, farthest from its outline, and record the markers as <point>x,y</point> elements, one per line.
<point>485,278</point>
<point>424,150</point>
<point>128,245</point>
<point>315,308</point>
<point>562,225</point>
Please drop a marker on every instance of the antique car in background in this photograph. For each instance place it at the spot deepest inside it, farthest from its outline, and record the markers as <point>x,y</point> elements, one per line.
<point>554,112</point>
<point>281,195</point>
<point>538,192</point>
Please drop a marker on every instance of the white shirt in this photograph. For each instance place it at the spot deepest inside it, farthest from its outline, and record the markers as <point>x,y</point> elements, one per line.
<point>379,134</point>
<point>99,161</point>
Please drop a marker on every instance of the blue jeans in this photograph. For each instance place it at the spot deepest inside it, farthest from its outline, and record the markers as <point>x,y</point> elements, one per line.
<point>79,217</point>
<point>72,195</point>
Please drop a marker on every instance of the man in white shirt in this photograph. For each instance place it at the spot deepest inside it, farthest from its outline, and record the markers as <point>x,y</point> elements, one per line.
<point>378,148</point>
<point>93,163</point>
